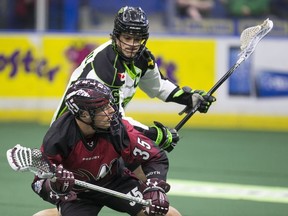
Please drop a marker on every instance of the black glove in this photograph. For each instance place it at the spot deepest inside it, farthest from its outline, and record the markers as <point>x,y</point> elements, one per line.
<point>60,187</point>
<point>206,100</point>
<point>195,97</point>
<point>167,138</point>
<point>155,190</point>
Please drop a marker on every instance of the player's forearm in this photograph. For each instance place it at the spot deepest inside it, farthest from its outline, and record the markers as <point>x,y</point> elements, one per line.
<point>184,99</point>
<point>157,167</point>
<point>41,187</point>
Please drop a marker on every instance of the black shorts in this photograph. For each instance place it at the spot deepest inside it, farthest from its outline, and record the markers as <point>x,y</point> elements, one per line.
<point>90,203</point>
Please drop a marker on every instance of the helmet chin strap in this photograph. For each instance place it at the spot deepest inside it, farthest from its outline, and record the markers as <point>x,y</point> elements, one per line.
<point>92,116</point>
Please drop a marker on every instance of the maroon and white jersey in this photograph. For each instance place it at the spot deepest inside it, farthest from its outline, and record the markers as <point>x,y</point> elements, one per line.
<point>97,159</point>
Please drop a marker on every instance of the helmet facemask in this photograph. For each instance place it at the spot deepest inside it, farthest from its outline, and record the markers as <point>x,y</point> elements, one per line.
<point>100,117</point>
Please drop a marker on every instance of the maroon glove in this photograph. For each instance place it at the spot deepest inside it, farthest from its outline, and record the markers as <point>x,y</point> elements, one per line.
<point>155,190</point>
<point>61,186</point>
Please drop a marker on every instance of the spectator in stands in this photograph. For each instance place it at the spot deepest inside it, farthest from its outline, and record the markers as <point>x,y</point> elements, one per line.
<point>218,10</point>
<point>195,9</point>
<point>247,8</point>
<point>279,8</point>
<point>24,14</point>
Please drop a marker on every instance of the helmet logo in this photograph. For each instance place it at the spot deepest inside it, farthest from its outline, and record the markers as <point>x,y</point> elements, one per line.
<point>72,106</point>
<point>133,14</point>
<point>81,92</point>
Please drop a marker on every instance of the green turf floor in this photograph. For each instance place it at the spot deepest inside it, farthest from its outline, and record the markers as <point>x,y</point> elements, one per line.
<point>216,156</point>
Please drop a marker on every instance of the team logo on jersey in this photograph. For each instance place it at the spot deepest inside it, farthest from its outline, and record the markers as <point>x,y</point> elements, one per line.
<point>121,76</point>
<point>150,62</point>
<point>90,144</point>
<point>38,186</point>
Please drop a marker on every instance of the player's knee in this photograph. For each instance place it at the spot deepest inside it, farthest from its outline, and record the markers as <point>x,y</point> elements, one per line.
<point>48,212</point>
<point>173,212</point>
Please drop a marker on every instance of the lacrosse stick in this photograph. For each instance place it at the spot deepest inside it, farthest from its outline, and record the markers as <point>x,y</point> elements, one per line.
<point>26,159</point>
<point>249,39</point>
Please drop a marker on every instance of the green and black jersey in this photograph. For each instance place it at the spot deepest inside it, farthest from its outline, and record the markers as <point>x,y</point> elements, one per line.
<point>123,78</point>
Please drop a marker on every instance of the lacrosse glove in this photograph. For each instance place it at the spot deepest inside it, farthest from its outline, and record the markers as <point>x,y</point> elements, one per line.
<point>60,187</point>
<point>155,190</point>
<point>166,138</point>
<point>194,97</point>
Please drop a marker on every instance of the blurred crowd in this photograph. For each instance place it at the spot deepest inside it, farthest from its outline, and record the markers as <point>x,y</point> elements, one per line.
<point>20,14</point>
<point>201,9</point>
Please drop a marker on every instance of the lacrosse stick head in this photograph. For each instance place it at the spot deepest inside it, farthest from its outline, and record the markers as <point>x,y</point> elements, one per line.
<point>26,159</point>
<point>251,36</point>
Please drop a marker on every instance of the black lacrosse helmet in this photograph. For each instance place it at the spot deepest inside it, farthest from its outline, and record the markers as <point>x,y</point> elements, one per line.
<point>133,21</point>
<point>88,95</point>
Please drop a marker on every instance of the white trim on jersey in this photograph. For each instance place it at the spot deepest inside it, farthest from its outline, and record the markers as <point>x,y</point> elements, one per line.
<point>152,84</point>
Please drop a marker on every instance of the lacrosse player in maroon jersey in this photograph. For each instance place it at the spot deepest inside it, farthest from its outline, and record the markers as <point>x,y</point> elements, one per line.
<point>92,143</point>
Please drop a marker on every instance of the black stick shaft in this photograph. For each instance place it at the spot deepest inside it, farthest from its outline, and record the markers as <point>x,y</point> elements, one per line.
<point>210,92</point>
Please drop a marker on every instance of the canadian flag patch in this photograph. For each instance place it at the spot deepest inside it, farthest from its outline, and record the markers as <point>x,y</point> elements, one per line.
<point>121,76</point>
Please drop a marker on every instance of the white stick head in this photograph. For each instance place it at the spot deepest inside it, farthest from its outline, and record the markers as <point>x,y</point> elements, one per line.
<point>19,158</point>
<point>26,159</point>
<point>251,36</point>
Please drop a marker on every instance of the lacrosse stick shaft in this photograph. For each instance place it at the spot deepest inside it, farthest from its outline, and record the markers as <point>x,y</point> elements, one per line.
<point>249,38</point>
<point>112,192</point>
<point>210,92</point>
<point>224,78</point>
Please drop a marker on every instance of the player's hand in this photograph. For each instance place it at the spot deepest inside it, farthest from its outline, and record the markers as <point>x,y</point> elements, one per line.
<point>155,190</point>
<point>196,97</point>
<point>167,138</point>
<point>206,100</point>
<point>62,184</point>
<point>63,181</point>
